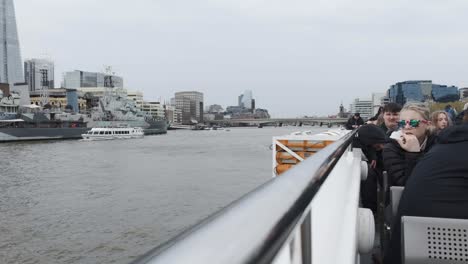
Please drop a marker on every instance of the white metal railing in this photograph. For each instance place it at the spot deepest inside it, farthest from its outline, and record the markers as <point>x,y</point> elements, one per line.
<point>307,215</point>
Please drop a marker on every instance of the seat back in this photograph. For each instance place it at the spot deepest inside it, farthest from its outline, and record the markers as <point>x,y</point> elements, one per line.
<point>427,240</point>
<point>395,195</point>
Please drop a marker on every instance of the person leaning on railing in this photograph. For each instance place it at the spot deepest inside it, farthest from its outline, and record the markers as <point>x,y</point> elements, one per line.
<point>438,186</point>
<point>354,122</point>
<point>407,145</point>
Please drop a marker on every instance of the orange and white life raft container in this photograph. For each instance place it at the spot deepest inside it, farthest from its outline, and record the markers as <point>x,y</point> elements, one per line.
<point>291,149</point>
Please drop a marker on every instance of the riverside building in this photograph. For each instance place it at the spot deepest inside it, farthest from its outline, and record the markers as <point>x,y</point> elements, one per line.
<point>82,79</point>
<point>189,107</point>
<point>422,91</point>
<point>362,106</point>
<point>39,73</point>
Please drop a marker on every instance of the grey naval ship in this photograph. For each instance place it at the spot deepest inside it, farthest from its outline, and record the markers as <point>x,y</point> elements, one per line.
<point>116,110</point>
<point>32,122</point>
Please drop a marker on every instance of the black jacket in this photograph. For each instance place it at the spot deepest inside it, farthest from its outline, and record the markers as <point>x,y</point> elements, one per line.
<point>459,119</point>
<point>399,163</point>
<point>438,186</point>
<point>368,135</point>
<point>352,121</point>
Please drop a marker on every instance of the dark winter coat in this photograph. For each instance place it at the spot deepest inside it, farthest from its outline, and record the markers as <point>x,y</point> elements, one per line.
<point>438,186</point>
<point>460,117</point>
<point>355,122</point>
<point>399,163</point>
<point>368,135</point>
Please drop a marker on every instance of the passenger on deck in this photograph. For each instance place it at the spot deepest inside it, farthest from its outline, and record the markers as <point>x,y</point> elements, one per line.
<point>440,121</point>
<point>408,145</point>
<point>438,186</point>
<point>452,113</point>
<point>462,117</point>
<point>391,115</point>
<point>371,139</point>
<point>354,122</point>
<point>377,119</point>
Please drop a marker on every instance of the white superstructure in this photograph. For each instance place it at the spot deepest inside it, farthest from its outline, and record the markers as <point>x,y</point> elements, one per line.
<point>104,133</point>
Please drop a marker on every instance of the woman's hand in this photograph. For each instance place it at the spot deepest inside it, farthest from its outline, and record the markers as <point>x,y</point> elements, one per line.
<point>409,143</point>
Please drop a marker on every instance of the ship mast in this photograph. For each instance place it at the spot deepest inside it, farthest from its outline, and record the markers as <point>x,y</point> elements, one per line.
<point>44,91</point>
<point>108,83</point>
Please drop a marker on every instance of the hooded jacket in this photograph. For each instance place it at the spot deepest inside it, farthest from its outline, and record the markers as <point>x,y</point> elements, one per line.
<point>368,135</point>
<point>438,186</point>
<point>354,122</point>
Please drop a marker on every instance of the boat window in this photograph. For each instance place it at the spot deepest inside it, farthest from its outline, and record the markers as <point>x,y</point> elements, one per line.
<point>101,133</point>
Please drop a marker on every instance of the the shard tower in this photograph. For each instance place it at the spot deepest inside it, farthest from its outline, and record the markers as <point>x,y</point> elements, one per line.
<point>10,57</point>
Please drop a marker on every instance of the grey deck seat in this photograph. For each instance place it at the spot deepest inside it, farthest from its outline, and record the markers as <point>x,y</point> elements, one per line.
<point>395,195</point>
<point>427,240</point>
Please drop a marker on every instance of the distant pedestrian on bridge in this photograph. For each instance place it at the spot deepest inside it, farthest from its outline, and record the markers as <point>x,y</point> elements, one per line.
<point>354,122</point>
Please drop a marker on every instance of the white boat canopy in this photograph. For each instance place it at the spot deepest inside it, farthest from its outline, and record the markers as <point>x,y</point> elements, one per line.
<point>11,121</point>
<point>31,106</point>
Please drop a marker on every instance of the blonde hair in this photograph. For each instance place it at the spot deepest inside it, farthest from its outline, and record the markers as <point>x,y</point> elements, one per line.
<point>421,109</point>
<point>435,118</point>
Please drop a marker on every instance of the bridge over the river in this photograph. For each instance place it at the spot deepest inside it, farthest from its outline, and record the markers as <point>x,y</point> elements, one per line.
<point>280,121</point>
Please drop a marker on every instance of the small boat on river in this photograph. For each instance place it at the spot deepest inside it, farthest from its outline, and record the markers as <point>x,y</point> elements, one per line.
<point>106,133</point>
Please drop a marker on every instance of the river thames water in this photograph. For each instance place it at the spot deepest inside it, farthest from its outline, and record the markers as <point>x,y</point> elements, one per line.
<point>111,201</point>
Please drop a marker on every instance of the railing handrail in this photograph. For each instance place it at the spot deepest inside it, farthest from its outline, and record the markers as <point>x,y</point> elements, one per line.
<point>253,228</point>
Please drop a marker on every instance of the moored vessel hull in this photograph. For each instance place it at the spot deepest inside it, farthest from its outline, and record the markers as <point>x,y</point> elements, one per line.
<point>25,134</point>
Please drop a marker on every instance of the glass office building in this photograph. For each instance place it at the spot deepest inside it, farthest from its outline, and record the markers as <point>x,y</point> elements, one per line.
<point>421,91</point>
<point>11,70</point>
<point>444,93</point>
<point>39,73</point>
<point>403,92</point>
<point>82,79</point>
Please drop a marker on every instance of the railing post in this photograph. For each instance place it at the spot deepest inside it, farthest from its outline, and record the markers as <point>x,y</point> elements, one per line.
<point>306,235</point>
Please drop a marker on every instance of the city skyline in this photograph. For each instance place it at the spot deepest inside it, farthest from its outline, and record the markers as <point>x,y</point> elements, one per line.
<point>299,58</point>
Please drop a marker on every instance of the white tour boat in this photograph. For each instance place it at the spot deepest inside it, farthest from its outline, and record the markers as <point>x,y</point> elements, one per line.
<point>102,133</point>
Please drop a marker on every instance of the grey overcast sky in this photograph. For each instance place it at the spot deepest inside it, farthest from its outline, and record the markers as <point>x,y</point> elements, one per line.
<point>299,57</point>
